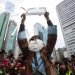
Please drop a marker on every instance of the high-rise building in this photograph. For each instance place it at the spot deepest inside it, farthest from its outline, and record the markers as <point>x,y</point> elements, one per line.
<point>17,50</point>
<point>4,18</point>
<point>41,31</point>
<point>10,40</point>
<point>66,15</point>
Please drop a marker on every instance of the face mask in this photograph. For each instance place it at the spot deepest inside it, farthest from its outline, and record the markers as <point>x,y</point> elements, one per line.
<point>36,45</point>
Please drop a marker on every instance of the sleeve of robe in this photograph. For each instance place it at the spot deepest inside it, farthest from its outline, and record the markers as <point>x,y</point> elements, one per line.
<point>52,37</point>
<point>22,41</point>
<point>51,41</point>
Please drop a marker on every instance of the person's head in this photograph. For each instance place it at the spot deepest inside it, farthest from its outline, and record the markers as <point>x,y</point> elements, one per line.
<point>73,58</point>
<point>74,68</point>
<point>35,43</point>
<point>3,51</point>
<point>5,56</point>
<point>62,66</point>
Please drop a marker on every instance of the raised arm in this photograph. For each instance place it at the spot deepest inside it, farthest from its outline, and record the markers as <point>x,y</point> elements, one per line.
<point>52,35</point>
<point>22,40</point>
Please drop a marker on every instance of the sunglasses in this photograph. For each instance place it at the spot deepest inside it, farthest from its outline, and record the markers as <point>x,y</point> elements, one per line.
<point>35,37</point>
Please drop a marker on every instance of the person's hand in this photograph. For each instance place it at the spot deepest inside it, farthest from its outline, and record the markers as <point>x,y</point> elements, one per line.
<point>46,15</point>
<point>23,16</point>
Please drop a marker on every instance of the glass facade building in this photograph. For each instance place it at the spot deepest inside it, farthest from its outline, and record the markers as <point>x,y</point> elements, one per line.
<point>41,31</point>
<point>66,15</point>
<point>10,40</point>
<point>4,18</point>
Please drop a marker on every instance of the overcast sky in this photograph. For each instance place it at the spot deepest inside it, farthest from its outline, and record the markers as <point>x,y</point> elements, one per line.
<point>13,6</point>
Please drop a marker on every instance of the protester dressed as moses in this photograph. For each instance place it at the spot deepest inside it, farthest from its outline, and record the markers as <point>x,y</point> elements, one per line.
<point>35,53</point>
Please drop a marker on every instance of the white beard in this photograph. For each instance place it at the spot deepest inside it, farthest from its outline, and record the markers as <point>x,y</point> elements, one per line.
<point>36,45</point>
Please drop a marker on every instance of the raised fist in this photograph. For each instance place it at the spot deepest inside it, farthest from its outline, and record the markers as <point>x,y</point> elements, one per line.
<point>23,16</point>
<point>46,15</point>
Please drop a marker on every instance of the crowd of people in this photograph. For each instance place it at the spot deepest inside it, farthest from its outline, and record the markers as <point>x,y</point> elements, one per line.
<point>9,65</point>
<point>65,66</point>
